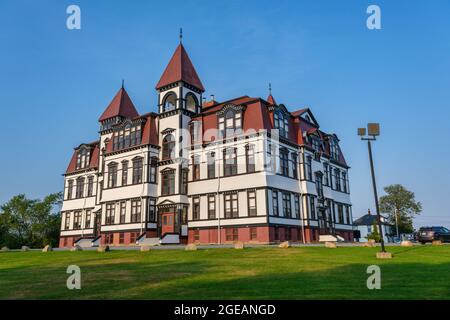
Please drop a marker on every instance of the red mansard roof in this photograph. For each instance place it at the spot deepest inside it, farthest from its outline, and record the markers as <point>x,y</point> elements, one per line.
<point>180,68</point>
<point>121,105</point>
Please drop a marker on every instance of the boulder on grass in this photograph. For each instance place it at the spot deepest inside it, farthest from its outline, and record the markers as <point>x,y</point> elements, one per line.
<point>190,247</point>
<point>145,248</point>
<point>284,245</point>
<point>406,244</point>
<point>239,245</point>
<point>47,248</point>
<point>437,243</point>
<point>369,244</point>
<point>25,248</point>
<point>4,249</point>
<point>329,244</point>
<point>103,249</point>
<point>372,241</point>
<point>76,248</point>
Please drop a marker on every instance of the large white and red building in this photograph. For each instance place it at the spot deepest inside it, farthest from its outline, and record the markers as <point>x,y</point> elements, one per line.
<point>246,169</point>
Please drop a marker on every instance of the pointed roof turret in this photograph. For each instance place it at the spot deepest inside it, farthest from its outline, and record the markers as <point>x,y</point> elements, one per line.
<point>180,68</point>
<point>121,105</point>
<point>270,98</point>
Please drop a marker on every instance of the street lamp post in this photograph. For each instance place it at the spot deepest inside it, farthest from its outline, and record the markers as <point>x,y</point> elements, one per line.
<point>373,131</point>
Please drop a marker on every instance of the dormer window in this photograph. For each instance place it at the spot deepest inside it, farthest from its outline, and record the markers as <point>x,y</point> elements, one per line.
<point>316,144</point>
<point>170,102</point>
<point>83,158</point>
<point>230,123</point>
<point>334,149</point>
<point>281,122</point>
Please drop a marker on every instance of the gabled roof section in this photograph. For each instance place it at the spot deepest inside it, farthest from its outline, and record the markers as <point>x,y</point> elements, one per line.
<point>121,105</point>
<point>93,164</point>
<point>271,99</point>
<point>180,68</point>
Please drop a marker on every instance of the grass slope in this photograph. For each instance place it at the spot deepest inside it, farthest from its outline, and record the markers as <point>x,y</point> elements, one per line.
<point>421,272</point>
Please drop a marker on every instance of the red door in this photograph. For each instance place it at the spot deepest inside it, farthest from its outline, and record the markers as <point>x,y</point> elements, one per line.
<point>167,223</point>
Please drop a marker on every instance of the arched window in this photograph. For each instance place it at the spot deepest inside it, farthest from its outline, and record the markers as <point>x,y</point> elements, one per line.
<point>230,123</point>
<point>191,102</point>
<point>170,102</point>
<point>168,147</point>
<point>83,158</point>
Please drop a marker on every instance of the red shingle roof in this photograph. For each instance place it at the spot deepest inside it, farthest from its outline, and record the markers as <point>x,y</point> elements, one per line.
<point>180,68</point>
<point>93,159</point>
<point>271,99</point>
<point>121,105</point>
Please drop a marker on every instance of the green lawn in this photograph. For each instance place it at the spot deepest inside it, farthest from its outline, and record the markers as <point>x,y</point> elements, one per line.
<point>420,272</point>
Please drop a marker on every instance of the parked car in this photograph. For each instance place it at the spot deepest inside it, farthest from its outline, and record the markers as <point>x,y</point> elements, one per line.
<point>428,234</point>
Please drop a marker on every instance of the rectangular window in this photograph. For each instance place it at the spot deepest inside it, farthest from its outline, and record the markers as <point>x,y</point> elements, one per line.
<point>90,188</point>
<point>109,238</point>
<point>347,214</point>
<point>287,234</point>
<point>124,173</point>
<point>135,211</point>
<point>340,213</point>
<point>80,188</point>
<point>294,166</point>
<point>251,198</point>
<point>77,220</point>
<point>133,237</point>
<point>284,163</point>
<point>211,165</point>
<point>297,206</point>
<point>184,181</point>
<point>121,238</point>
<point>337,175</point>
<point>325,174</point>
<point>69,189</point>
<point>319,185</point>
<point>110,213</point>
<point>276,233</point>
<point>330,170</point>
<point>211,207</point>
<point>87,220</point>
<point>250,158</point>
<point>168,183</point>
<point>112,175</point>
<point>231,205</point>
<point>287,205</point>
<point>276,212</point>
<point>253,233</point>
<point>312,208</point>
<point>137,171</point>
<point>123,211</point>
<point>153,170</point>
<point>67,221</point>
<point>152,210</point>
<point>196,208</point>
<point>230,162</point>
<point>308,168</point>
<point>344,182</point>
<point>195,168</point>
<point>232,234</point>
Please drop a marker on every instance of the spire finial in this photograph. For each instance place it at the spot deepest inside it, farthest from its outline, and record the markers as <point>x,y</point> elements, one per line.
<point>181,35</point>
<point>123,83</point>
<point>270,88</point>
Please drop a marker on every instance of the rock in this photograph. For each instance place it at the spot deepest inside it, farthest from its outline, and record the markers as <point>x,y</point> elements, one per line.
<point>384,255</point>
<point>47,248</point>
<point>190,247</point>
<point>437,243</point>
<point>329,244</point>
<point>406,244</point>
<point>284,245</point>
<point>25,248</point>
<point>103,249</point>
<point>368,245</point>
<point>4,249</point>
<point>76,248</point>
<point>239,245</point>
<point>145,248</point>
<point>372,241</point>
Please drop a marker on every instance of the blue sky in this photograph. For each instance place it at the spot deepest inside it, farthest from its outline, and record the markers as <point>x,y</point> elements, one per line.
<point>56,82</point>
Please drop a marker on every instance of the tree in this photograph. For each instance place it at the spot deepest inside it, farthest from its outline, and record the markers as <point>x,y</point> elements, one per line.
<point>30,222</point>
<point>402,202</point>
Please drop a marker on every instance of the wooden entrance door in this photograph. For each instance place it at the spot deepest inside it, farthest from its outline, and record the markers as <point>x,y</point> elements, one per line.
<point>168,223</point>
